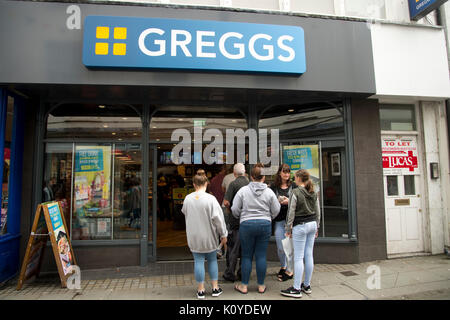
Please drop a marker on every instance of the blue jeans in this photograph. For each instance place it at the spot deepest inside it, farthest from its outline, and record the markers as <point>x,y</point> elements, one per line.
<point>303,236</point>
<point>254,236</point>
<point>279,235</point>
<point>199,266</point>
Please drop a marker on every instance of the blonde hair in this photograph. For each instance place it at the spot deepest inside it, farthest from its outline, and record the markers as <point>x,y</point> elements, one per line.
<point>200,180</point>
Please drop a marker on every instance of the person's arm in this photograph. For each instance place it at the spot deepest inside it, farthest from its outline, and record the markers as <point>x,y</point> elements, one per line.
<point>218,220</point>
<point>318,213</point>
<point>183,209</point>
<point>275,206</point>
<point>236,208</point>
<point>228,195</point>
<point>291,213</point>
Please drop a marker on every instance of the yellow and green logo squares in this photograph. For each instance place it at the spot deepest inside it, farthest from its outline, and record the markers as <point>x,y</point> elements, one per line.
<point>102,48</point>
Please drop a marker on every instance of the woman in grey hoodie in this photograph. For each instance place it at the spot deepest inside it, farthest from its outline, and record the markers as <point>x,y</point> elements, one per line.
<point>256,206</point>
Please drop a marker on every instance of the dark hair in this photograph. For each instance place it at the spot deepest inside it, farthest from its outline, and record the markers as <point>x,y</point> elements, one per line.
<point>61,234</point>
<point>201,172</point>
<point>283,168</point>
<point>256,172</point>
<point>304,177</point>
<point>200,180</point>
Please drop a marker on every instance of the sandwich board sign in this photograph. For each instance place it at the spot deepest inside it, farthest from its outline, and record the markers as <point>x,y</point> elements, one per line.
<point>48,222</point>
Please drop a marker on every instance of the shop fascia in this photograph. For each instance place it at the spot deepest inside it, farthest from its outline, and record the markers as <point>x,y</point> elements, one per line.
<point>131,42</point>
<point>182,151</point>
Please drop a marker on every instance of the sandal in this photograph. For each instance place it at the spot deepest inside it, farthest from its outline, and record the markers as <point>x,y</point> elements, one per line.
<point>281,272</point>
<point>236,287</point>
<point>261,292</point>
<point>285,277</point>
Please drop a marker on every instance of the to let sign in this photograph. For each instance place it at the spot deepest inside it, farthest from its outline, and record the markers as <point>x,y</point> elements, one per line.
<point>399,156</point>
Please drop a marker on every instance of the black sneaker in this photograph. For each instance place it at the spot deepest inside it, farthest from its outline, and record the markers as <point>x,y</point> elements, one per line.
<point>292,292</point>
<point>307,289</point>
<point>217,292</point>
<point>201,294</point>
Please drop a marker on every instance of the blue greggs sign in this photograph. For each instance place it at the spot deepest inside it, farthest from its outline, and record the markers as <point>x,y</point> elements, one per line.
<point>420,8</point>
<point>129,42</point>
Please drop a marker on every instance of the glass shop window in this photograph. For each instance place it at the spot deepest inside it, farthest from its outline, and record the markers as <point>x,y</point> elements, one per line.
<point>102,121</point>
<point>98,184</point>
<point>397,117</point>
<point>312,137</point>
<point>6,165</point>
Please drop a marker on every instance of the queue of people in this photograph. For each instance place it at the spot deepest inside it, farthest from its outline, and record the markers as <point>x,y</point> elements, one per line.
<point>242,223</point>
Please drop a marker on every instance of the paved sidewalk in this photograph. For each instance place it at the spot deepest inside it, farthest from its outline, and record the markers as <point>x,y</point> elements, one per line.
<point>424,277</point>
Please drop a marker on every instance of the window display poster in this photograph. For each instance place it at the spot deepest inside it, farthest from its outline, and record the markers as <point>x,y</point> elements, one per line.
<point>61,237</point>
<point>93,176</point>
<point>303,157</point>
<point>335,164</point>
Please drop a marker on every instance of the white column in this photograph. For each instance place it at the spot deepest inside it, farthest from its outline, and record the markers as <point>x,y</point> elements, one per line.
<point>436,207</point>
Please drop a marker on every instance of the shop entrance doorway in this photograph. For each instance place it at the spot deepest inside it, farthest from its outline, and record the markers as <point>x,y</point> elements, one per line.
<point>172,181</point>
<point>402,191</point>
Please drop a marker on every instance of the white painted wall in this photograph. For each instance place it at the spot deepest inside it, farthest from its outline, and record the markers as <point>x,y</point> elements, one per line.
<point>410,62</point>
<point>391,10</point>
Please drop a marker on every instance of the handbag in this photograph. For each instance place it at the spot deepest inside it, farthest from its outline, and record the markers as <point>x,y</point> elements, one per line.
<point>288,247</point>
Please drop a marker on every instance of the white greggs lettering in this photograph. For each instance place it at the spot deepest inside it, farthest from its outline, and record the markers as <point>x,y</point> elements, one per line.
<point>182,38</point>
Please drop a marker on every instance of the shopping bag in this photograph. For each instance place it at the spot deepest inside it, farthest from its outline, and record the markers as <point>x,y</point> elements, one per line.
<point>288,248</point>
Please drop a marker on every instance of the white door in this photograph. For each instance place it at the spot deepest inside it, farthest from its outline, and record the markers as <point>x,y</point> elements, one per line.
<point>404,226</point>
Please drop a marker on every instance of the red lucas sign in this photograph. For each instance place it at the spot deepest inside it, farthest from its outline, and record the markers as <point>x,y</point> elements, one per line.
<point>408,162</point>
<point>399,156</point>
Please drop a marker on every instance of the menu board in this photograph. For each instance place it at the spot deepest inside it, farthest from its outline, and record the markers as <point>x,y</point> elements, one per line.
<point>48,223</point>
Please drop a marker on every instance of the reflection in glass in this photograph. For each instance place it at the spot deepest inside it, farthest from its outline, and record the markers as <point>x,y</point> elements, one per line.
<point>167,120</point>
<point>410,188</point>
<point>317,121</point>
<point>104,208</point>
<point>397,117</point>
<point>304,121</point>
<point>6,164</point>
<point>127,191</point>
<point>113,122</point>
<point>58,177</point>
<point>392,185</point>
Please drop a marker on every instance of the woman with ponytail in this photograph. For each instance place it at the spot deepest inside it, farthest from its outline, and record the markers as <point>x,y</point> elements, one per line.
<point>302,224</point>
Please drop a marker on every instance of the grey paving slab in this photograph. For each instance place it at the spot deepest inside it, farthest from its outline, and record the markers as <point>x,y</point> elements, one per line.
<point>92,295</point>
<point>57,296</point>
<point>131,294</point>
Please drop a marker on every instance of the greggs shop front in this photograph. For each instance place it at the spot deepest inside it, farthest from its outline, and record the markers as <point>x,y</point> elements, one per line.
<point>104,88</point>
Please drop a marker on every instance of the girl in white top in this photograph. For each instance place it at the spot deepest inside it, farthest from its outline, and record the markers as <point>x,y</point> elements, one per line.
<point>205,224</point>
